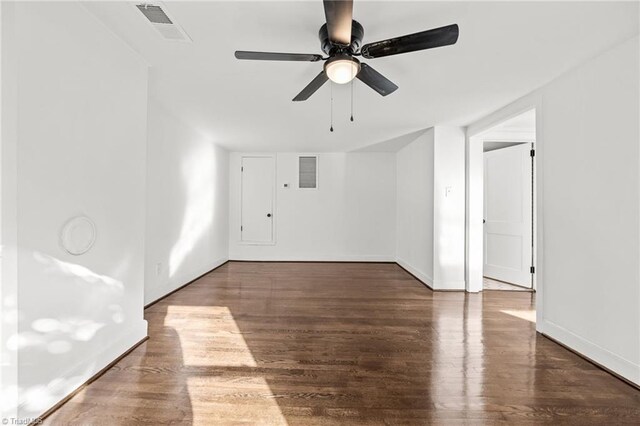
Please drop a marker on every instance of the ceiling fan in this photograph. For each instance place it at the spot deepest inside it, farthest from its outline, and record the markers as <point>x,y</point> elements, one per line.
<point>341,40</point>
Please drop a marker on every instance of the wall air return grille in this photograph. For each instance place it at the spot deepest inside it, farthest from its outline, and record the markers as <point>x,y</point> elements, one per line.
<point>164,24</point>
<point>307,172</point>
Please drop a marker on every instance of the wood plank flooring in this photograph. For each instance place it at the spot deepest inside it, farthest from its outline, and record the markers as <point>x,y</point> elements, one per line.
<point>323,343</point>
<point>491,284</point>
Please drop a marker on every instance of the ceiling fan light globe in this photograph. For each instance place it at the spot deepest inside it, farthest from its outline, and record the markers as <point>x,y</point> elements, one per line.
<point>342,70</point>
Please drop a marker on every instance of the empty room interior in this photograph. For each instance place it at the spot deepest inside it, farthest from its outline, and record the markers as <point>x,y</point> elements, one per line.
<point>319,212</point>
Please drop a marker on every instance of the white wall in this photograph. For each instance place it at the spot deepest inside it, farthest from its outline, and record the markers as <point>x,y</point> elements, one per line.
<point>350,217</point>
<point>81,99</point>
<point>588,184</point>
<point>591,209</point>
<point>415,208</point>
<point>449,208</point>
<point>474,228</point>
<point>430,210</point>
<point>187,204</point>
<point>8,214</point>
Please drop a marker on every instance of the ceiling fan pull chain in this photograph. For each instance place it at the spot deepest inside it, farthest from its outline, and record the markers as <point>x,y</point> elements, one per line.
<point>331,86</point>
<point>352,97</point>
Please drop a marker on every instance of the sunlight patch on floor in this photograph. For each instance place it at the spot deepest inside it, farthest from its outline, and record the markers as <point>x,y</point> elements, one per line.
<point>525,314</point>
<point>228,386</point>
<point>241,399</point>
<point>220,340</point>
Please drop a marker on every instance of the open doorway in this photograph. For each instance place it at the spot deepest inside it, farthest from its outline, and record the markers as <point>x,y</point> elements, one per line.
<point>508,248</point>
<point>508,216</point>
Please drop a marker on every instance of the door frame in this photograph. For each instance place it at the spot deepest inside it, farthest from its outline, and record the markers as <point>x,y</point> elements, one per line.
<point>273,198</point>
<point>474,196</point>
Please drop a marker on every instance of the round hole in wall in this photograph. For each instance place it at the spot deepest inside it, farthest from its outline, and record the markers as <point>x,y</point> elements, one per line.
<point>78,235</point>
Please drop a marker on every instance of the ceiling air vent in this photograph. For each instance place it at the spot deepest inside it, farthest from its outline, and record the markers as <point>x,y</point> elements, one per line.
<point>154,14</point>
<point>165,26</point>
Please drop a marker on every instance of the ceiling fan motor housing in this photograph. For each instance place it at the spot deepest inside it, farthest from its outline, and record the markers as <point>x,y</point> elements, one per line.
<point>329,48</point>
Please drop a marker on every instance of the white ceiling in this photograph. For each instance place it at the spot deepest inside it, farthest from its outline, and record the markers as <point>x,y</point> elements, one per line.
<point>505,50</point>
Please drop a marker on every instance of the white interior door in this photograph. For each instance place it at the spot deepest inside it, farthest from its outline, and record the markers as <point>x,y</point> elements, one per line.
<point>258,184</point>
<point>508,215</point>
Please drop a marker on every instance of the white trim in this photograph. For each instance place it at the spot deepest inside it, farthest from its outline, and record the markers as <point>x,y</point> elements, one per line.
<point>539,217</point>
<point>426,279</point>
<point>506,136</point>
<point>594,352</point>
<point>182,279</point>
<point>314,258</point>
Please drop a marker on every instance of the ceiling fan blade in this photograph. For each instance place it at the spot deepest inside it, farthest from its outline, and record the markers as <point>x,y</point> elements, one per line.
<point>375,80</point>
<point>312,87</point>
<point>339,14</point>
<point>271,56</point>
<point>438,37</point>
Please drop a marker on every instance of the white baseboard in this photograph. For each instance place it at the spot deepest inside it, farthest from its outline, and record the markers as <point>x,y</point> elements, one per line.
<point>182,279</point>
<point>426,279</point>
<point>594,352</point>
<point>321,258</point>
<point>68,382</point>
<point>186,277</point>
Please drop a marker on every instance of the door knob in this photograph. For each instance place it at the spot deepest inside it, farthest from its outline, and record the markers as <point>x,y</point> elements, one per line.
<point>268,214</point>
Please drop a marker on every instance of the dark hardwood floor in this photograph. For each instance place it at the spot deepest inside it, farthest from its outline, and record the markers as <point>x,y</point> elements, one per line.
<point>340,343</point>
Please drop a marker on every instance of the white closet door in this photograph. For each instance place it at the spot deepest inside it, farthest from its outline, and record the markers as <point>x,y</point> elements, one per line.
<point>258,183</point>
<point>508,216</point>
